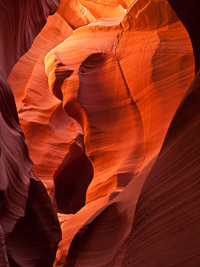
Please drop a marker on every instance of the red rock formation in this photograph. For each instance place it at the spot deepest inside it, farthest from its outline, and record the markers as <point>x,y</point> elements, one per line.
<point>165,231</point>
<point>189,15</point>
<point>47,128</point>
<point>167,218</point>
<point>41,117</point>
<point>112,129</point>
<point>104,9</point>
<point>24,203</point>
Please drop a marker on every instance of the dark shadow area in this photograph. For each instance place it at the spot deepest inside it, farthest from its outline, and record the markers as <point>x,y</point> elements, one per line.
<point>34,240</point>
<point>72,180</point>
<point>188,13</point>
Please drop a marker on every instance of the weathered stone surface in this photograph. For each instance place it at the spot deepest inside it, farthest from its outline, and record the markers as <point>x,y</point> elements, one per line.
<point>113,131</point>
<point>24,202</point>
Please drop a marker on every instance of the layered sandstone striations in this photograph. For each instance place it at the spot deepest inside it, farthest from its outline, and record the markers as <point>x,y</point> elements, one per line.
<point>113,131</point>
<point>29,229</point>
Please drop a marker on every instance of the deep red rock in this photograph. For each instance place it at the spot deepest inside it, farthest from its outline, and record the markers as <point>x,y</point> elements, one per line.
<point>20,23</point>
<point>113,131</point>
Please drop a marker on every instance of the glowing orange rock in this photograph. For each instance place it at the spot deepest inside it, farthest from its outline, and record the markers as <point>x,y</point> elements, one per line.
<point>41,116</point>
<point>116,151</point>
<point>122,80</point>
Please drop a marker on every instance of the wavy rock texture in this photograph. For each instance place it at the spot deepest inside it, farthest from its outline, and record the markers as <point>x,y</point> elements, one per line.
<point>24,203</point>
<point>124,99</point>
<point>165,231</point>
<point>167,215</point>
<point>41,117</point>
<point>113,131</point>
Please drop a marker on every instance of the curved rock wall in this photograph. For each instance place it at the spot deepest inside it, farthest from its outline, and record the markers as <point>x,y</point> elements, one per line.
<point>112,128</point>
<point>24,202</point>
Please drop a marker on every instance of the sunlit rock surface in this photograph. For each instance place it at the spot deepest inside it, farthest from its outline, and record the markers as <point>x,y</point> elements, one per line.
<point>113,131</point>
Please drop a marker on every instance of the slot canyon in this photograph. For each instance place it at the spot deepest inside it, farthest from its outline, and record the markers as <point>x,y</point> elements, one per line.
<point>99,133</point>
